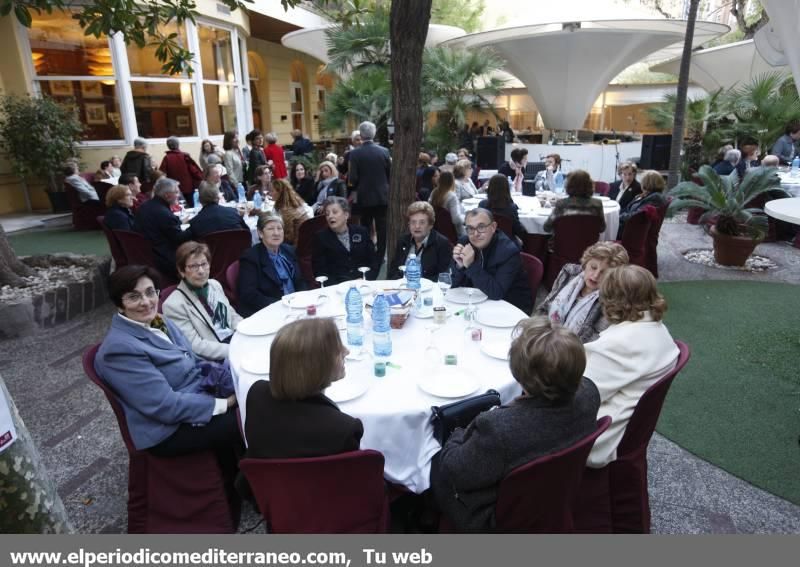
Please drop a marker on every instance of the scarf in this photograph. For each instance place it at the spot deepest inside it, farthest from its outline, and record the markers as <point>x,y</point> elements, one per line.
<point>285,271</point>
<point>158,323</point>
<point>217,310</point>
<point>569,308</point>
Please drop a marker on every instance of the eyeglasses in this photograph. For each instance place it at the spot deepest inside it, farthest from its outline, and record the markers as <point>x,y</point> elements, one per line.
<point>480,229</point>
<point>197,267</point>
<point>136,297</point>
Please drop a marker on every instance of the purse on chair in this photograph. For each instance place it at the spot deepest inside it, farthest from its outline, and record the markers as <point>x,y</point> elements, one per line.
<point>459,414</point>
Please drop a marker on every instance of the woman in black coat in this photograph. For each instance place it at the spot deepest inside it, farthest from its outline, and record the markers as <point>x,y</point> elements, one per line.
<point>119,202</point>
<point>341,249</point>
<point>499,201</point>
<point>432,248</point>
<point>257,156</point>
<point>303,183</point>
<point>627,188</point>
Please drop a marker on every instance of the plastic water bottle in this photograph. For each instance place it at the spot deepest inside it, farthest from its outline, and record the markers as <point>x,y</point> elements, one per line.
<point>240,191</point>
<point>558,181</point>
<point>413,275</point>
<point>795,166</point>
<point>381,328</point>
<point>196,198</point>
<point>355,317</point>
<point>257,200</point>
<point>510,184</point>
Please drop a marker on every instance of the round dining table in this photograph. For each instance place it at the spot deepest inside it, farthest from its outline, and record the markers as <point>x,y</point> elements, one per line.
<point>533,215</point>
<point>790,183</point>
<point>787,209</point>
<point>395,408</point>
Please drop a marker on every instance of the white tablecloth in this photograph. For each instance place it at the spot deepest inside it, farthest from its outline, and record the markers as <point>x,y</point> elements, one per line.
<point>787,210</point>
<point>395,411</point>
<point>533,216</point>
<point>250,220</point>
<point>789,183</point>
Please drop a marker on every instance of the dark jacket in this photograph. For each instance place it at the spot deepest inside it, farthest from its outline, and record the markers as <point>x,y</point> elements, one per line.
<point>138,164</point>
<point>156,222</point>
<point>213,218</point>
<point>306,189</point>
<point>257,158</point>
<point>228,191</point>
<point>302,146</point>
<point>182,168</point>
<point>368,174</point>
<point>330,258</point>
<point>629,195</point>
<point>655,199</point>
<point>436,256</point>
<point>313,427</point>
<point>511,212</point>
<point>467,472</point>
<point>576,206</point>
<point>594,322</point>
<point>497,271</point>
<point>119,218</point>
<point>724,168</point>
<point>259,284</point>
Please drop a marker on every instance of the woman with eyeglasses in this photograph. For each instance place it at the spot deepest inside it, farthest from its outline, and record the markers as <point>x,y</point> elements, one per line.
<point>160,383</point>
<point>198,305</point>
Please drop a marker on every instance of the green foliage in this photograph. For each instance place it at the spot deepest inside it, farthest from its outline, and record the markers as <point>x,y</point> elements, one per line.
<point>38,134</point>
<point>360,45</point>
<point>365,94</point>
<point>464,14</point>
<point>725,199</point>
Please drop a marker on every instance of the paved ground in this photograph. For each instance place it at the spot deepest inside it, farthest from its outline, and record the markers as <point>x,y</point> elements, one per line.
<point>77,434</point>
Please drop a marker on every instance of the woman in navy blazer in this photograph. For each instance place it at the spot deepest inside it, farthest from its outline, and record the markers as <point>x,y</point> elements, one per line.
<point>333,258</point>
<point>119,202</point>
<point>268,270</point>
<point>149,365</point>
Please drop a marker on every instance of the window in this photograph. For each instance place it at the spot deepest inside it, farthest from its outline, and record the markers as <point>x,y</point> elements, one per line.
<point>142,61</point>
<point>164,109</point>
<point>219,81</point>
<point>297,106</point>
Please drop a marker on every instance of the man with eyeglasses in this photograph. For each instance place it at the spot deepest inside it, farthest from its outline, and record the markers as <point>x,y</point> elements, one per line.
<point>490,261</point>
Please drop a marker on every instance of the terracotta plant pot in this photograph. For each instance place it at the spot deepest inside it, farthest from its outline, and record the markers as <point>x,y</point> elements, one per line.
<point>732,250</point>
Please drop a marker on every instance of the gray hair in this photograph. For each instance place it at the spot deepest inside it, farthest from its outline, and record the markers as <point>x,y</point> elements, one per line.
<point>213,159</point>
<point>733,156</point>
<point>140,143</point>
<point>477,211</point>
<point>334,200</point>
<point>209,193</point>
<point>271,138</point>
<point>451,158</point>
<point>770,161</point>
<point>173,143</point>
<point>265,218</point>
<point>367,130</point>
<point>164,186</point>
<point>354,135</point>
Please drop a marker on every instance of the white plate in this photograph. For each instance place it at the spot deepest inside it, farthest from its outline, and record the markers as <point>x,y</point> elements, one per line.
<point>302,299</point>
<point>501,315</point>
<point>352,386</point>
<point>600,197</point>
<point>362,286</point>
<point>256,362</point>
<point>258,326</point>
<point>496,349</point>
<point>449,382</point>
<point>609,204</point>
<point>461,295</point>
<point>471,201</point>
<point>427,313</point>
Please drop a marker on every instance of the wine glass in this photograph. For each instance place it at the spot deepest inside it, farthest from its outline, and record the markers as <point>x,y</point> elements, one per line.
<point>445,282</point>
<point>403,271</point>
<point>363,270</point>
<point>321,281</point>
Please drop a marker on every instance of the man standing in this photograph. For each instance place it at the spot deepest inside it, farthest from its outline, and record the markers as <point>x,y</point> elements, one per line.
<point>488,260</point>
<point>137,161</point>
<point>301,145</point>
<point>368,174</point>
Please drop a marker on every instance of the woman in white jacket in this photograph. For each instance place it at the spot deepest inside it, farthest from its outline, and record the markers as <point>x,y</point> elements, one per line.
<point>631,355</point>
<point>198,306</point>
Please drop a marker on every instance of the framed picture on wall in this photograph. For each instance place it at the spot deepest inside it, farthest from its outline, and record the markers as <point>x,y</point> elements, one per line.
<point>91,89</point>
<point>61,88</point>
<point>183,121</point>
<point>96,114</point>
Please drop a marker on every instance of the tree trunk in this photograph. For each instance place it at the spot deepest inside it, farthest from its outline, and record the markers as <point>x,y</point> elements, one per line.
<point>29,502</point>
<point>680,103</point>
<point>408,23</point>
<point>11,269</point>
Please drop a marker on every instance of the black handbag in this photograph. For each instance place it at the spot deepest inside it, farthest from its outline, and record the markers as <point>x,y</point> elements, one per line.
<point>459,414</point>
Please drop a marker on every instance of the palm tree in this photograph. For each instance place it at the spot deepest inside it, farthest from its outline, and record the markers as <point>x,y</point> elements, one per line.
<point>364,95</point>
<point>360,44</point>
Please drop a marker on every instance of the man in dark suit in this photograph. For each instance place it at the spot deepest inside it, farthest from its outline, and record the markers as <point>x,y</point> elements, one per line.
<point>157,223</point>
<point>369,171</point>
<point>214,217</point>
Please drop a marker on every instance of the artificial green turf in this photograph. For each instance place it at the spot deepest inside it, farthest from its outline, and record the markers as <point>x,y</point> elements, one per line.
<point>737,402</point>
<point>49,241</point>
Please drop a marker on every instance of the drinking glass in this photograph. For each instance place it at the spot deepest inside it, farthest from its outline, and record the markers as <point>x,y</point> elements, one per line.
<point>363,270</point>
<point>403,271</point>
<point>445,282</point>
<point>321,281</point>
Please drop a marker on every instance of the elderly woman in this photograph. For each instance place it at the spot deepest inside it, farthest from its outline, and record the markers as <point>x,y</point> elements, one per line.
<point>232,158</point>
<point>119,205</point>
<point>85,190</point>
<point>433,250</point>
<point>116,161</point>
<point>198,305</point>
<point>293,210</point>
<point>627,188</point>
<point>465,188</point>
<point>182,168</point>
<point>579,201</point>
<point>557,408</point>
<point>268,270</point>
<point>631,355</point>
<point>499,201</point>
<point>653,186</point>
<point>303,183</point>
<point>444,197</point>
<point>274,153</point>
<point>328,184</point>
<point>304,358</point>
<point>149,364</point>
<point>341,249</point>
<point>574,299</point>
<point>729,162</point>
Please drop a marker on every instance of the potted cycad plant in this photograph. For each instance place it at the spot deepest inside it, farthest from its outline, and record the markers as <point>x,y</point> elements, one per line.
<point>736,226</point>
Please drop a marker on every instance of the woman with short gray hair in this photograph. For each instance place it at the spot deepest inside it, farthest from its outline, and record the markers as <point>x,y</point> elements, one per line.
<point>182,168</point>
<point>274,153</point>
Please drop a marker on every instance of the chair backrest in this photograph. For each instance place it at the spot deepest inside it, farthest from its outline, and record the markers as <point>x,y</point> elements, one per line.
<point>645,415</point>
<point>539,497</point>
<point>231,282</point>
<point>137,249</point>
<point>305,234</point>
<point>165,293</point>
<point>601,187</point>
<point>535,270</point>
<point>504,223</point>
<point>634,238</point>
<point>444,224</point>
<point>341,493</point>
<point>72,196</point>
<point>572,234</point>
<point>113,244</point>
<point>226,247</point>
<point>651,247</point>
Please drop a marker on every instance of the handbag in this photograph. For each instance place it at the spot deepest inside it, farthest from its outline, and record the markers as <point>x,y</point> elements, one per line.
<point>447,418</point>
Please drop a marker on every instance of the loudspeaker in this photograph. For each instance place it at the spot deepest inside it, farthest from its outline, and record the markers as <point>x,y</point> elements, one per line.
<point>655,152</point>
<point>491,152</point>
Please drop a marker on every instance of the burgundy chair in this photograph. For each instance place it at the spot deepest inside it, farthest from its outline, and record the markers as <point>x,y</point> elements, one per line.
<point>113,245</point>
<point>615,498</point>
<point>226,247</point>
<point>601,188</point>
<point>230,284</point>
<point>444,224</point>
<point>504,223</point>
<point>634,236</point>
<point>139,251</point>
<point>165,293</point>
<point>184,494</point>
<point>539,497</point>
<point>305,245</point>
<point>84,215</point>
<point>651,248</point>
<point>536,245</point>
<point>572,234</point>
<point>535,270</point>
<point>341,493</point>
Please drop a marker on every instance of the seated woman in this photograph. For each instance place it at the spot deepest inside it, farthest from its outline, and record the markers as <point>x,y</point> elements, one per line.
<point>465,188</point>
<point>263,183</point>
<point>105,171</point>
<point>303,183</point>
<point>149,365</point>
<point>653,186</point>
<point>328,184</point>
<point>557,408</point>
<point>627,188</point>
<point>573,299</point>
<point>580,188</point>
<point>499,201</point>
<point>198,306</point>
<point>444,197</point>
<point>268,270</point>
<point>433,250</point>
<point>293,210</point>
<point>119,202</point>
<point>341,249</point>
<point>289,415</point>
<point>85,190</point>
<point>429,179</point>
<point>631,355</point>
